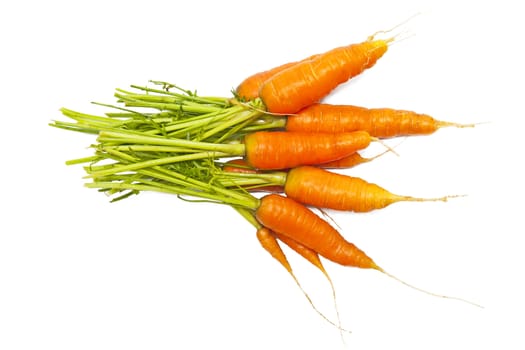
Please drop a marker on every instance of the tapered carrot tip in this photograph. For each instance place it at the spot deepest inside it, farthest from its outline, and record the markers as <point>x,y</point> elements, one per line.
<point>397,198</point>
<point>445,124</point>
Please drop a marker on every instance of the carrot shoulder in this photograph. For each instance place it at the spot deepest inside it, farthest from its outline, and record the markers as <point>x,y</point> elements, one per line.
<point>308,82</point>
<point>249,88</point>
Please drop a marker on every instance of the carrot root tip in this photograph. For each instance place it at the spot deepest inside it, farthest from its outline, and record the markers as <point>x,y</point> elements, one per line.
<point>431,293</point>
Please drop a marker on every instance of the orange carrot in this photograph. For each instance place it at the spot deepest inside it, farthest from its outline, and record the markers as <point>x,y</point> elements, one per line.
<point>308,82</point>
<point>321,188</point>
<point>378,122</point>
<point>289,218</point>
<point>292,219</point>
<point>283,149</point>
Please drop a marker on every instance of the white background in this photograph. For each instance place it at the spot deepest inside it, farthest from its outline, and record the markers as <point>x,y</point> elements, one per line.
<point>153,272</point>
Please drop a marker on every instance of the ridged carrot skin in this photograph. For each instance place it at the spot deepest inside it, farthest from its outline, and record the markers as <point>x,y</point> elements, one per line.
<point>378,122</point>
<point>249,88</point>
<point>292,219</point>
<point>325,189</point>
<point>284,150</point>
<point>308,82</point>
<point>307,253</point>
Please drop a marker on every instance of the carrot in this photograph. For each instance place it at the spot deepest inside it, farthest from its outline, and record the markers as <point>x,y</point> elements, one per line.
<point>309,81</point>
<point>378,122</point>
<point>292,219</point>
<point>321,188</point>
<point>262,150</point>
<point>282,149</point>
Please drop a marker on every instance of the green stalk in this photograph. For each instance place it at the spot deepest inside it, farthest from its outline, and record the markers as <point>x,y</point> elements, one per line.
<point>239,118</point>
<point>232,179</point>
<point>134,138</point>
<point>221,101</point>
<point>155,162</point>
<point>180,183</point>
<point>186,107</point>
<point>178,190</point>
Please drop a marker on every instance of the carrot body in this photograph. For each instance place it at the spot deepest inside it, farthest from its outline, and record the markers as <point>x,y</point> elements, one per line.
<point>289,218</point>
<point>321,188</point>
<point>378,122</point>
<point>249,88</point>
<point>309,254</point>
<point>308,82</point>
<point>283,149</point>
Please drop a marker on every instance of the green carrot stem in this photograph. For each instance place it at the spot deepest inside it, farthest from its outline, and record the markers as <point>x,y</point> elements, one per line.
<point>83,160</point>
<point>148,148</point>
<point>89,118</point>
<point>178,190</point>
<point>134,138</point>
<point>192,97</point>
<point>202,123</point>
<point>249,216</point>
<point>189,185</point>
<point>276,122</point>
<point>231,179</point>
<point>187,107</point>
<point>237,119</point>
<point>174,177</point>
<point>154,162</point>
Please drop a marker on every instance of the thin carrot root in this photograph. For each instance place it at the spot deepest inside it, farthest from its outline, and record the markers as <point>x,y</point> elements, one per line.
<point>311,256</point>
<point>397,198</point>
<point>338,326</point>
<point>269,243</point>
<point>444,124</point>
<point>387,31</point>
<point>388,148</point>
<point>428,292</point>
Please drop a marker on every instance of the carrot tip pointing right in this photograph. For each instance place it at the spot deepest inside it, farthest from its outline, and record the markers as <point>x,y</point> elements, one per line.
<point>284,139</point>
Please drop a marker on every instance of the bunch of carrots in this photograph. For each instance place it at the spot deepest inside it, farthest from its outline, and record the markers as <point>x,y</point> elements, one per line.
<point>267,151</point>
